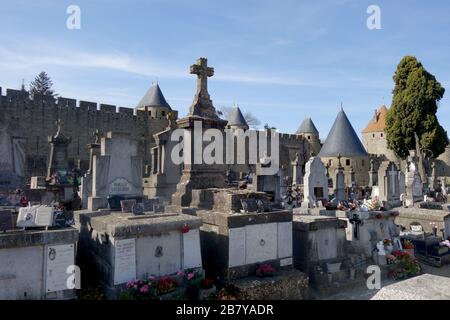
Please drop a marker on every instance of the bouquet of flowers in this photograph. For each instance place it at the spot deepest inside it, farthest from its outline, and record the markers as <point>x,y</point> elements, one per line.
<point>265,270</point>
<point>408,245</point>
<point>387,242</point>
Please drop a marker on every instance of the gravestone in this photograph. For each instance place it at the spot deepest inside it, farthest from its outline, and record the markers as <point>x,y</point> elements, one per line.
<point>388,184</point>
<point>297,174</point>
<point>116,171</point>
<point>339,182</point>
<point>58,159</point>
<point>414,186</point>
<point>315,182</point>
<point>270,184</point>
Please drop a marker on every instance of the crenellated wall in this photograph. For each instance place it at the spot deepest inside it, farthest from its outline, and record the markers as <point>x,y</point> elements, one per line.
<point>35,120</point>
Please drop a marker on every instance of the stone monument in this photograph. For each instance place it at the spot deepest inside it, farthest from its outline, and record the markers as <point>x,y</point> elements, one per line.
<point>315,182</point>
<point>117,171</point>
<point>197,174</point>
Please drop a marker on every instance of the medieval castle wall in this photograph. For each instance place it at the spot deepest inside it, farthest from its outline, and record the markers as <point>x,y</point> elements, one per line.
<point>34,120</point>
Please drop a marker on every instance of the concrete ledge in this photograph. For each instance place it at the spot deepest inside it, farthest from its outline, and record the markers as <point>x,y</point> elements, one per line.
<point>29,238</point>
<point>306,222</point>
<point>120,227</point>
<point>244,219</point>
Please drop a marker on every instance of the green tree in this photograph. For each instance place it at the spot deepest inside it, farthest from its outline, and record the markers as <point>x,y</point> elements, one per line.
<point>411,121</point>
<point>42,85</point>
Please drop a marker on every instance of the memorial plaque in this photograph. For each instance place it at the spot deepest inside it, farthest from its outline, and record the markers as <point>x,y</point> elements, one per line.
<point>149,204</point>
<point>249,205</point>
<point>26,217</point>
<point>236,247</point>
<point>261,242</point>
<point>5,220</point>
<point>158,208</point>
<point>124,260</point>
<point>120,186</point>
<point>58,259</point>
<point>127,205</point>
<point>44,216</point>
<point>138,208</point>
<point>191,249</point>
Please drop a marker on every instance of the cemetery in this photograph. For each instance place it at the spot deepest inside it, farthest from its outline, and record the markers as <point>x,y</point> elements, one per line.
<point>133,224</point>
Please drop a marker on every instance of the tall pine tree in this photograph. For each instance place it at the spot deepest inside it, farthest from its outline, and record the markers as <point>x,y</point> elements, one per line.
<point>412,115</point>
<point>42,85</point>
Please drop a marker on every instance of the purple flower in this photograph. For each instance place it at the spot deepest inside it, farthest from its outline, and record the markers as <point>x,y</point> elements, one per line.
<point>144,289</point>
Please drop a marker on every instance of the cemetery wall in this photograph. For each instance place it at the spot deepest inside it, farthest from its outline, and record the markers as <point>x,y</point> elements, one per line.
<point>34,120</point>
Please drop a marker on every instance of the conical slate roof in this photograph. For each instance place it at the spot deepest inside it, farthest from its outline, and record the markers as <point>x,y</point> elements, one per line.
<point>307,126</point>
<point>154,98</point>
<point>342,140</point>
<point>235,118</point>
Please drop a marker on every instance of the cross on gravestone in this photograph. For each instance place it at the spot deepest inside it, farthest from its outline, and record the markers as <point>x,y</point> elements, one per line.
<point>202,71</point>
<point>59,124</point>
<point>392,177</point>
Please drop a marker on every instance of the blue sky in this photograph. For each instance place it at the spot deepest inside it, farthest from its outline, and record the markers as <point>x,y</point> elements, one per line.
<point>281,60</point>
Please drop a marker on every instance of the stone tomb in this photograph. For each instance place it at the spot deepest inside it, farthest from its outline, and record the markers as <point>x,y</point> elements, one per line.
<point>116,171</point>
<point>315,182</point>
<point>318,240</point>
<point>115,248</point>
<point>426,218</point>
<point>34,264</point>
<point>366,229</point>
<point>235,243</point>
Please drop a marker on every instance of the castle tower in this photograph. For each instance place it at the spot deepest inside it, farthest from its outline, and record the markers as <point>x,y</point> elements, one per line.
<point>309,132</point>
<point>374,137</point>
<point>154,103</point>
<point>236,120</point>
<point>343,140</point>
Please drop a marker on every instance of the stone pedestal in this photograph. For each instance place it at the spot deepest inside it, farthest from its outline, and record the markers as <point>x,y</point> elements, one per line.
<point>33,264</point>
<point>115,248</point>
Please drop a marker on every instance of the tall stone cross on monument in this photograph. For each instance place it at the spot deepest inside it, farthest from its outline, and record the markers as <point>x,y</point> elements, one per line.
<point>202,105</point>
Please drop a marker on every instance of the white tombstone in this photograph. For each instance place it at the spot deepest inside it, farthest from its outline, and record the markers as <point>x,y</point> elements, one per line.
<point>116,171</point>
<point>315,181</point>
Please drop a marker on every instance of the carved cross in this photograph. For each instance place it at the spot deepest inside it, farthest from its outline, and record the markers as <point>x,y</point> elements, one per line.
<point>59,124</point>
<point>202,71</point>
<point>393,176</point>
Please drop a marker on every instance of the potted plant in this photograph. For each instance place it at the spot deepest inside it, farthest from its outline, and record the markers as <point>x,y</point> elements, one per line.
<point>265,270</point>
<point>408,246</point>
<point>192,278</point>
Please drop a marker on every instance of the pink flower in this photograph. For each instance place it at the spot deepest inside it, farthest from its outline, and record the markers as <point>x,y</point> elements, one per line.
<point>144,289</point>
<point>180,273</point>
<point>130,284</point>
<point>190,276</point>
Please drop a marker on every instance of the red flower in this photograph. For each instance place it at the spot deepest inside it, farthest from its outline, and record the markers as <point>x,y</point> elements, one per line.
<point>185,228</point>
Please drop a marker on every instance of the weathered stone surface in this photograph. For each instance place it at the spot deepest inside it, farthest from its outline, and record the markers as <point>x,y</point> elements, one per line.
<point>124,225</point>
<point>19,238</point>
<point>441,218</point>
<point>286,285</point>
<point>423,287</point>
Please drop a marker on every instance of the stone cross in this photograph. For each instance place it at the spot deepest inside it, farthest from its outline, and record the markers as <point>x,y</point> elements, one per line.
<point>59,123</point>
<point>393,176</point>
<point>96,134</point>
<point>202,71</point>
